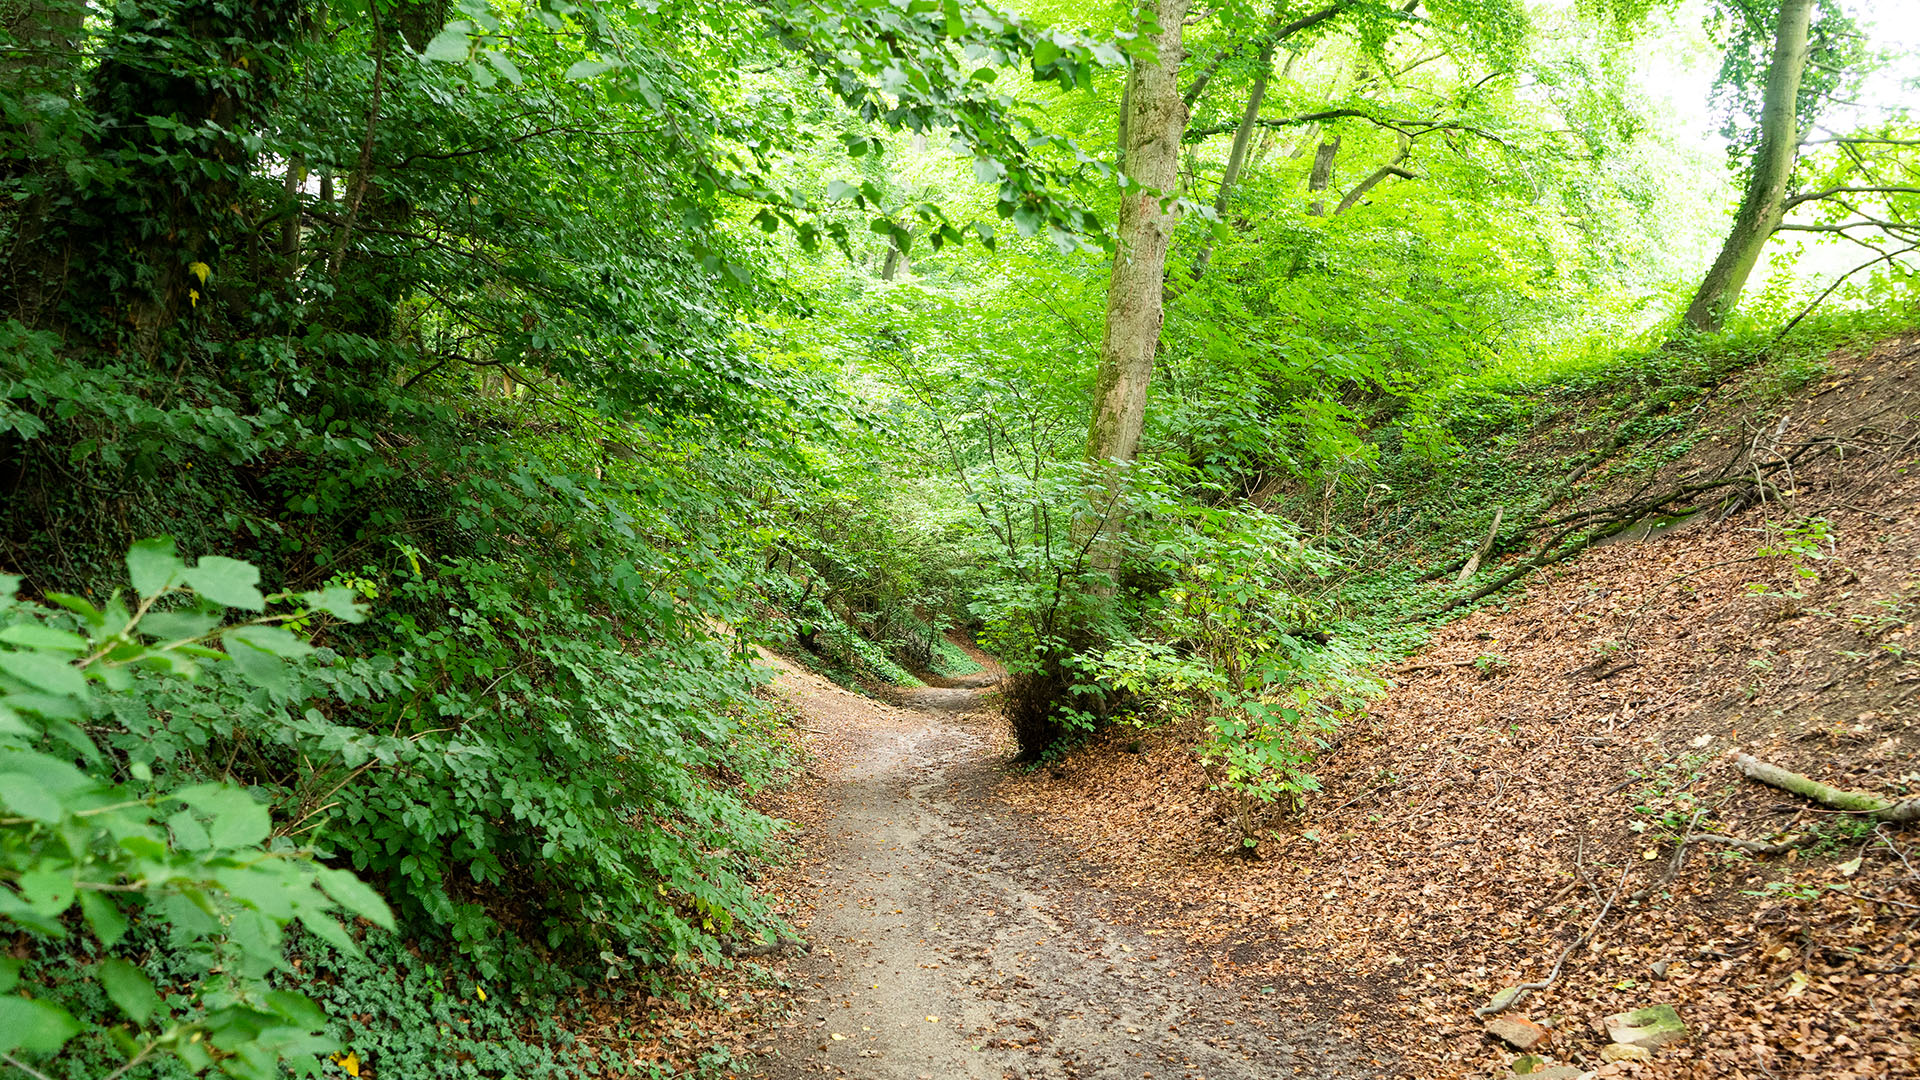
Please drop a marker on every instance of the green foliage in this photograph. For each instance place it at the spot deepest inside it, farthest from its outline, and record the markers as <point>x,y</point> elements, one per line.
<point>132,834</point>
<point>1231,641</point>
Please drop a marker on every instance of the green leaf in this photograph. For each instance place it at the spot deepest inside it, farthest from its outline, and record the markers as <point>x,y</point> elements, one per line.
<point>238,821</point>
<point>587,69</point>
<point>228,582</point>
<point>504,66</point>
<point>38,1027</point>
<point>257,665</point>
<point>129,988</point>
<point>44,673</point>
<point>109,924</point>
<point>188,833</point>
<point>179,625</point>
<point>331,932</point>
<point>450,45</point>
<point>29,797</point>
<point>297,1008</point>
<point>271,639</point>
<point>339,601</point>
<point>154,566</point>
<point>355,895</point>
<point>36,636</point>
<point>48,889</point>
<point>9,973</point>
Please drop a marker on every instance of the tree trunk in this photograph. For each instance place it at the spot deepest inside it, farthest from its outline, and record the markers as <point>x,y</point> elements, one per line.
<point>1322,176</point>
<point>1237,157</point>
<point>37,69</point>
<point>1156,118</point>
<point>1764,202</point>
<point>174,216</point>
<point>42,57</point>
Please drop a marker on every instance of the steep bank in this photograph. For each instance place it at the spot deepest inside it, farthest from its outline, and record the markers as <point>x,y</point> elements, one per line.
<point>1543,756</point>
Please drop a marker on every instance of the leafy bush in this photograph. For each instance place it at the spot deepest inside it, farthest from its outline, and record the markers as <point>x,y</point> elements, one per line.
<point>135,834</point>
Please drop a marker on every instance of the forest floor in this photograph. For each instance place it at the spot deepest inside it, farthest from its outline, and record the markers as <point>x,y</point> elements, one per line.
<point>950,937</point>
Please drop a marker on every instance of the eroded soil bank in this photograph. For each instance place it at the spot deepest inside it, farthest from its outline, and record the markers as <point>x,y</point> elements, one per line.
<point>950,938</point>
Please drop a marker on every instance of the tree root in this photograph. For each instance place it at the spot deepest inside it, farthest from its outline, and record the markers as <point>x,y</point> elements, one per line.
<point>1900,812</point>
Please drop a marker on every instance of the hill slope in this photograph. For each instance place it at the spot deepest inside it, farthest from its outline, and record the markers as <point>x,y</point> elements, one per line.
<point>1544,756</point>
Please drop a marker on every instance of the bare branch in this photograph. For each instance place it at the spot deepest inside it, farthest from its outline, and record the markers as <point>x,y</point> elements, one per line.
<point>1890,189</point>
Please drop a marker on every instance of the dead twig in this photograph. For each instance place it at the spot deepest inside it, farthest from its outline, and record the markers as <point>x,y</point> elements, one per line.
<point>1510,997</point>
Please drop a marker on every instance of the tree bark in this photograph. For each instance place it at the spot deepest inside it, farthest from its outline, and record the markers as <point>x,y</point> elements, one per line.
<point>1155,119</point>
<point>1322,176</point>
<point>1880,808</point>
<point>1764,202</point>
<point>1237,157</point>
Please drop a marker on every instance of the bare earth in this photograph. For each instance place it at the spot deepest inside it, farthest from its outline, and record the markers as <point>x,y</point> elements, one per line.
<point>950,938</point>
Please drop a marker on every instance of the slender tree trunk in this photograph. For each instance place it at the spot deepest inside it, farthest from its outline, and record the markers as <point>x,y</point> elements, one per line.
<point>1764,202</point>
<point>1322,176</point>
<point>214,63</point>
<point>892,264</point>
<point>1155,119</point>
<point>1391,168</point>
<point>1237,157</point>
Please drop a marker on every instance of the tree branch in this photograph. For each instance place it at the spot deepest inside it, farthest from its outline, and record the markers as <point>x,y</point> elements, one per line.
<point>1276,33</point>
<point>1890,189</point>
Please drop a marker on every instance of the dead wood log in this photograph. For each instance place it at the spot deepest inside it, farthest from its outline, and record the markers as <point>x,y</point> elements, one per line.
<point>1473,564</point>
<point>1901,812</point>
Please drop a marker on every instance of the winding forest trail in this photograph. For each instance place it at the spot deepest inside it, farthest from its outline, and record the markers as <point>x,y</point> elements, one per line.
<point>949,938</point>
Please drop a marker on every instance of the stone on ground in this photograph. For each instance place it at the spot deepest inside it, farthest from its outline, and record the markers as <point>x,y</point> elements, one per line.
<point>1650,1028</point>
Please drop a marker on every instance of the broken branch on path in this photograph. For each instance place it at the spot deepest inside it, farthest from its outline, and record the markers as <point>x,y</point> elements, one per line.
<point>1897,812</point>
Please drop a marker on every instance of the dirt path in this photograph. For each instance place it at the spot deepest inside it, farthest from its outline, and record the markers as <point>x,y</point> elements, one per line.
<point>949,939</point>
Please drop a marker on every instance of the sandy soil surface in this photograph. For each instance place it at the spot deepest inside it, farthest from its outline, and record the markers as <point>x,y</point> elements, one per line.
<point>950,938</point>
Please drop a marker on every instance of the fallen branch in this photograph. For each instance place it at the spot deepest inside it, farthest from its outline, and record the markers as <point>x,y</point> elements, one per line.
<point>1473,564</point>
<point>1508,998</point>
<point>1877,807</point>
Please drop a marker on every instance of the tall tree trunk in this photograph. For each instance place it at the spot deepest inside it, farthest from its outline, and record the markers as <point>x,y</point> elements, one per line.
<point>38,68</point>
<point>1764,202</point>
<point>1322,176</point>
<point>41,57</point>
<point>1237,157</point>
<point>213,65</point>
<point>1155,120</point>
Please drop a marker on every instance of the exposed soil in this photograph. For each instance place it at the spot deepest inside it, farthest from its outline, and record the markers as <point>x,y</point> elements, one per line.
<point>950,937</point>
